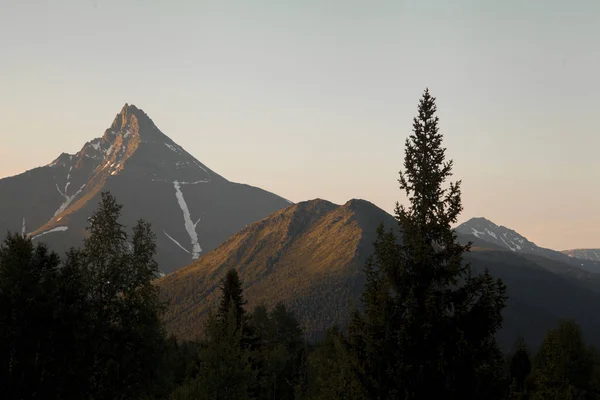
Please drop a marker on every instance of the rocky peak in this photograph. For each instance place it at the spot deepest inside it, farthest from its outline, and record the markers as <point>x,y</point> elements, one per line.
<point>312,207</point>
<point>498,234</point>
<point>132,121</point>
<point>481,222</point>
<point>358,205</point>
<point>122,121</point>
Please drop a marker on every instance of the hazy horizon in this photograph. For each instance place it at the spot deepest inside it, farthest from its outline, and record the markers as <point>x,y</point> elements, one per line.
<point>315,100</point>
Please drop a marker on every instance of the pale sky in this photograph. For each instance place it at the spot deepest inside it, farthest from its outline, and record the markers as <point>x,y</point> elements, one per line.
<point>314,98</point>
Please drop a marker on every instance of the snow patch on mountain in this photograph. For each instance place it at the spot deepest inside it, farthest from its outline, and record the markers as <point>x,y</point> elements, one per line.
<point>68,199</point>
<point>57,229</point>
<point>506,243</point>
<point>500,235</point>
<point>200,166</point>
<point>195,182</point>
<point>477,233</point>
<point>68,180</point>
<point>492,234</point>
<point>173,148</point>
<point>190,226</point>
<point>584,254</point>
<point>176,242</point>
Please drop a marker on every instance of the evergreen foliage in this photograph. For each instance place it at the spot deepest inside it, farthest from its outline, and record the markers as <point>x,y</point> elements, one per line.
<point>88,327</point>
<point>427,330</point>
<point>564,365</point>
<point>519,365</point>
<point>232,299</point>
<point>30,342</point>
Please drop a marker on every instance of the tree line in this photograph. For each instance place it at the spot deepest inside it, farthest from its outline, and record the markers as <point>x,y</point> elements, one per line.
<point>89,326</point>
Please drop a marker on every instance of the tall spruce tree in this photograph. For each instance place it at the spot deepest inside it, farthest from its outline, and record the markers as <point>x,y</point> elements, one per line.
<point>225,356</point>
<point>232,298</point>
<point>519,365</point>
<point>428,325</point>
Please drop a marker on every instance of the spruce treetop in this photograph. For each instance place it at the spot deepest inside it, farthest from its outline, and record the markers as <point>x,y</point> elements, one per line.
<point>433,207</point>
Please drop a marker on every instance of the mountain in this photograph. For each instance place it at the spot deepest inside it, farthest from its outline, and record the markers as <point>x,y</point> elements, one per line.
<point>192,208</point>
<point>584,254</point>
<point>510,240</point>
<point>311,255</point>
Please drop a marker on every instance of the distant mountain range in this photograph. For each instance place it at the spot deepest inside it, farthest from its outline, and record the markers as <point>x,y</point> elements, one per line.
<point>311,257</point>
<point>192,209</point>
<point>584,254</point>
<point>510,240</point>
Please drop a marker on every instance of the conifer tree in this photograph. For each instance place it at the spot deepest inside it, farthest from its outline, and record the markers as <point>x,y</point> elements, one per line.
<point>564,365</point>
<point>225,357</point>
<point>519,364</point>
<point>232,298</point>
<point>279,354</point>
<point>330,374</point>
<point>428,325</point>
<point>29,365</point>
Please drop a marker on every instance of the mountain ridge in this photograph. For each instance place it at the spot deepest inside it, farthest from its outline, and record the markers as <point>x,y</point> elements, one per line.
<point>314,246</point>
<point>584,254</point>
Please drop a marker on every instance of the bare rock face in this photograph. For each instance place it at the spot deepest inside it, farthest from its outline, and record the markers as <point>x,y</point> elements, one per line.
<point>192,209</point>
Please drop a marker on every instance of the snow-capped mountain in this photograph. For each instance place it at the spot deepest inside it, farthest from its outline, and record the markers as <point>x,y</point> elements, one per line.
<point>584,254</point>
<point>512,241</point>
<point>192,209</point>
<point>499,235</point>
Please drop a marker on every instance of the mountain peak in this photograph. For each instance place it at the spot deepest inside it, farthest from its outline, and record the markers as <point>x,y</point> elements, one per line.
<point>131,118</point>
<point>487,230</point>
<point>359,204</point>
<point>509,239</point>
<point>481,221</point>
<point>130,109</point>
